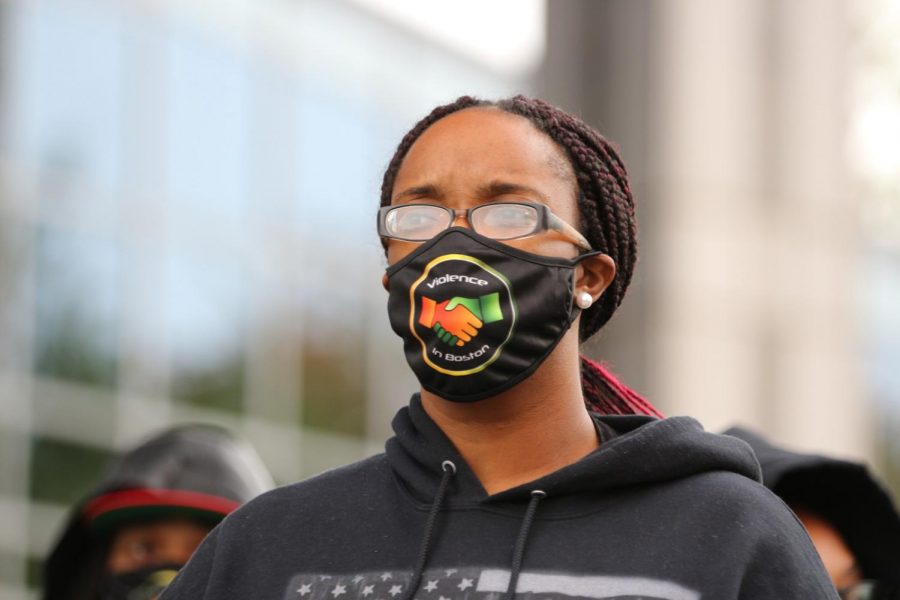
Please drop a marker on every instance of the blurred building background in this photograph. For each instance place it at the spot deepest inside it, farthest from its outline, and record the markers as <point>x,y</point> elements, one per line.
<point>188,191</point>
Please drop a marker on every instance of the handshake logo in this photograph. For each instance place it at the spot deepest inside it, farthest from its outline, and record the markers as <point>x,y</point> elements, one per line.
<point>458,320</point>
<point>462,313</point>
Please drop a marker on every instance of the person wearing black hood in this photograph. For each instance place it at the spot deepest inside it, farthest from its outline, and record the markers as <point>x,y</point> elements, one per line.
<point>851,518</point>
<point>510,237</point>
<point>152,509</point>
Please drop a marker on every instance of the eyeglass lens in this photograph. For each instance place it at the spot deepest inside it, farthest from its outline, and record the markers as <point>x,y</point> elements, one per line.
<point>420,222</point>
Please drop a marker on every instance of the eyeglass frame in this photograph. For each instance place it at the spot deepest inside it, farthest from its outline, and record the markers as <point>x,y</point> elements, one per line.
<point>547,221</point>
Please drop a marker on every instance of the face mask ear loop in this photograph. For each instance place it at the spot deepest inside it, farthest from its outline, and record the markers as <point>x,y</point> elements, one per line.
<point>592,253</point>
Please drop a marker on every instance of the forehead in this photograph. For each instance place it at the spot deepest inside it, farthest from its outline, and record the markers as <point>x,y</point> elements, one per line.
<point>476,144</point>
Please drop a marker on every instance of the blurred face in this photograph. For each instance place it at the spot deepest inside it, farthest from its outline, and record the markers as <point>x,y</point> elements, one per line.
<point>836,556</point>
<point>171,541</point>
<point>482,155</point>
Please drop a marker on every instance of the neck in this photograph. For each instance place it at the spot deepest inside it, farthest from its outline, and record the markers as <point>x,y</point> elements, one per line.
<point>533,429</point>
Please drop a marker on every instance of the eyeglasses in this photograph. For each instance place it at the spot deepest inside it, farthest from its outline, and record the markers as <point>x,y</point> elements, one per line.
<point>497,220</point>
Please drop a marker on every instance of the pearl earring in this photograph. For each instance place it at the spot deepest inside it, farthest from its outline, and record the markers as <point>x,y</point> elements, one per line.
<point>584,300</point>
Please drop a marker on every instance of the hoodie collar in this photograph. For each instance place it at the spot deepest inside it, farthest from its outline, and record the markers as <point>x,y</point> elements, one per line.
<point>648,450</point>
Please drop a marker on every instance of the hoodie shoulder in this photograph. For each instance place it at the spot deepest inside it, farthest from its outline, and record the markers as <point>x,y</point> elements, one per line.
<point>251,537</point>
<point>325,489</point>
<point>655,450</point>
<point>752,528</point>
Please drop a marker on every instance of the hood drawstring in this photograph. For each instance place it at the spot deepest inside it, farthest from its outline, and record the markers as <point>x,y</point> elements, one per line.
<point>449,471</point>
<point>519,552</point>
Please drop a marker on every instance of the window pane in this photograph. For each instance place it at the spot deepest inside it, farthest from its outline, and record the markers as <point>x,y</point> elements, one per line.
<point>206,128</point>
<point>63,472</point>
<point>77,312</point>
<point>205,311</point>
<point>65,89</point>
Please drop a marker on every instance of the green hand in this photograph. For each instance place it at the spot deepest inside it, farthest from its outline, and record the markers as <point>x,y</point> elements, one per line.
<point>487,307</point>
<point>472,304</point>
<point>446,336</point>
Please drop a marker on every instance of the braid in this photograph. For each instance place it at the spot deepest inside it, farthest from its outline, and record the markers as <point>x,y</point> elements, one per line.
<point>606,203</point>
<point>607,221</point>
<point>605,394</point>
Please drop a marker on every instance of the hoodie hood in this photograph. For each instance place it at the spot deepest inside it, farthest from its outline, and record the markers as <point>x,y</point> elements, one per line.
<point>842,492</point>
<point>200,472</point>
<point>646,451</point>
<point>661,510</point>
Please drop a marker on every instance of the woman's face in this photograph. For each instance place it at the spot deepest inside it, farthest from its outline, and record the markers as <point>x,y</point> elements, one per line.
<point>481,155</point>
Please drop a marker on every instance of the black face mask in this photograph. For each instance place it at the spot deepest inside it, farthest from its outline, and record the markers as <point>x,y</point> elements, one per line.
<point>142,584</point>
<point>477,316</point>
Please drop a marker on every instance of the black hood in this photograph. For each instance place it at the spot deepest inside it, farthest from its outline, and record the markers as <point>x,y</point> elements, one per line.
<point>844,493</point>
<point>661,510</point>
<point>200,471</point>
<point>646,451</point>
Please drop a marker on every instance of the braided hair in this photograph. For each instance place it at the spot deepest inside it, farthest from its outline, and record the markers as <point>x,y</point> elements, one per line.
<point>606,207</point>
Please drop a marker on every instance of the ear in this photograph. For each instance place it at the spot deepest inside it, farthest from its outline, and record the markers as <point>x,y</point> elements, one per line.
<point>384,282</point>
<point>594,274</point>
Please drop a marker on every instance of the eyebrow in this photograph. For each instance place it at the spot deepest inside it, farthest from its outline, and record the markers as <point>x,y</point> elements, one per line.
<point>499,188</point>
<point>429,190</point>
<point>488,190</point>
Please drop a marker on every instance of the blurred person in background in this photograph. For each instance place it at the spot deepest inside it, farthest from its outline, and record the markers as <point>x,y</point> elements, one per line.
<point>519,467</point>
<point>150,512</point>
<point>850,517</point>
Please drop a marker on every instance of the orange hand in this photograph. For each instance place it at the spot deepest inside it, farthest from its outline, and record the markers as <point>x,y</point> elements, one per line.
<point>459,322</point>
<point>455,326</point>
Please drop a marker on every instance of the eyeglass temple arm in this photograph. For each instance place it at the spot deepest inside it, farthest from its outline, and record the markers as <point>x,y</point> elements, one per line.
<point>557,224</point>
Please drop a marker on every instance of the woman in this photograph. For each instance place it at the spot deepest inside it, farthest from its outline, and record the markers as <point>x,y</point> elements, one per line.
<point>151,511</point>
<point>510,236</point>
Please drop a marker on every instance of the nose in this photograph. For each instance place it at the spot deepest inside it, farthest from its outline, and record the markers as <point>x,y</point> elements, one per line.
<point>459,214</point>
<point>176,551</point>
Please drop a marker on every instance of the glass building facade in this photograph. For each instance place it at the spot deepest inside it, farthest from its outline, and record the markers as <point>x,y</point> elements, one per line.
<point>187,208</point>
<point>188,194</point>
